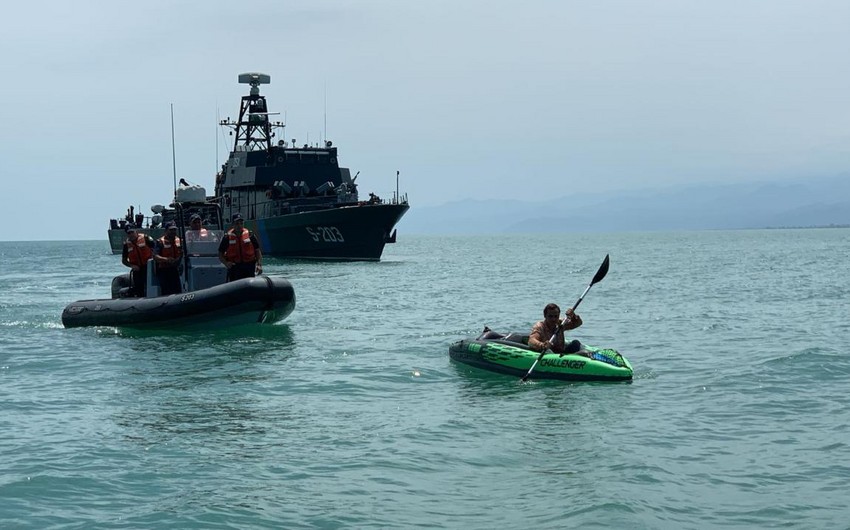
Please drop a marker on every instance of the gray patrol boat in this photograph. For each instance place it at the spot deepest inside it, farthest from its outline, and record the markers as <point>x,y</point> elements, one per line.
<point>297,199</point>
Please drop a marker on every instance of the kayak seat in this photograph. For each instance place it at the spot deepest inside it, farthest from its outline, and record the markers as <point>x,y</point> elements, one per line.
<point>520,338</point>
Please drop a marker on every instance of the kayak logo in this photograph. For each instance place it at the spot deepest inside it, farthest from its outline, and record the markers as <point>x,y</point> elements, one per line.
<point>563,363</point>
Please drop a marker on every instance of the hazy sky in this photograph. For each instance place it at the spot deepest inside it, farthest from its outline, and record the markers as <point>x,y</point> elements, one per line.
<point>485,99</point>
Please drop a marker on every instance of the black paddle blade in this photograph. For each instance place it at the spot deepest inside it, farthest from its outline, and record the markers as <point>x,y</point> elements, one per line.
<point>603,270</point>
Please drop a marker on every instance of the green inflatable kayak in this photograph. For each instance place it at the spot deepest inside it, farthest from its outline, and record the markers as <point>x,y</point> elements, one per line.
<point>510,354</point>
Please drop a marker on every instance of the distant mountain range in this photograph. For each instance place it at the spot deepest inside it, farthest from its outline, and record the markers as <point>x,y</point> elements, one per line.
<point>814,202</point>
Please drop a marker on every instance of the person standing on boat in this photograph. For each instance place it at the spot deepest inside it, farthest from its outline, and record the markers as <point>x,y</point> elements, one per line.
<point>240,251</point>
<point>196,231</point>
<point>167,254</point>
<point>542,331</point>
<point>138,249</point>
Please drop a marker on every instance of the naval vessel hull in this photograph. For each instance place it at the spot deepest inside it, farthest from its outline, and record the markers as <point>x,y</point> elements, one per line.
<point>347,233</point>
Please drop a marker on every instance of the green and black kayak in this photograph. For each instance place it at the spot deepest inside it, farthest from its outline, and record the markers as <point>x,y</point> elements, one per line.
<point>510,354</point>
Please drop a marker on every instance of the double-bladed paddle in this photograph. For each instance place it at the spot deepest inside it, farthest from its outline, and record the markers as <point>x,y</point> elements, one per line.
<point>603,270</point>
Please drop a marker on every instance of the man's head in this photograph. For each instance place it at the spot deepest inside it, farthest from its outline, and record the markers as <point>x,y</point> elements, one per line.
<point>195,222</point>
<point>237,219</point>
<point>552,312</point>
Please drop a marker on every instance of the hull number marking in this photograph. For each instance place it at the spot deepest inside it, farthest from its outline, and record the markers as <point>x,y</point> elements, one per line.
<point>327,234</point>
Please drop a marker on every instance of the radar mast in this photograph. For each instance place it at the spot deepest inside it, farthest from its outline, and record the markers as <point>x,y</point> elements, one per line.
<point>253,129</point>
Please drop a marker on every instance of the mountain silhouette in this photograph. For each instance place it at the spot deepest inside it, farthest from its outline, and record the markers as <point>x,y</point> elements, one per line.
<point>802,203</point>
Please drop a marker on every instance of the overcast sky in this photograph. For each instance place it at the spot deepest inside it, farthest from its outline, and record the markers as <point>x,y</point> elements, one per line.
<point>485,99</point>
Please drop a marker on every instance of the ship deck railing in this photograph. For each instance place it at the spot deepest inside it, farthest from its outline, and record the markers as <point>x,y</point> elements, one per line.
<point>290,205</point>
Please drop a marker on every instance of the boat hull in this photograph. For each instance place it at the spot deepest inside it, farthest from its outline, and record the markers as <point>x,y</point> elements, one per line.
<point>347,233</point>
<point>351,233</point>
<point>264,299</point>
<point>515,359</point>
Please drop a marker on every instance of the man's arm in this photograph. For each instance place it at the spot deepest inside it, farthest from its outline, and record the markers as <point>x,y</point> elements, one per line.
<point>572,320</point>
<point>221,248</point>
<point>536,340</point>
<point>125,256</point>
<point>258,252</point>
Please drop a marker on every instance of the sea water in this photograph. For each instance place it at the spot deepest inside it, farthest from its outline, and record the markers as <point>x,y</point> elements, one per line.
<point>350,414</point>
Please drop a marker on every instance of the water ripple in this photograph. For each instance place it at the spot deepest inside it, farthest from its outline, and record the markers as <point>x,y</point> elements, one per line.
<point>350,415</point>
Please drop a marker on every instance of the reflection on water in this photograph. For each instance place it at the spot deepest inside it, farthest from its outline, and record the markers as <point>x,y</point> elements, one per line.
<point>253,338</point>
<point>476,383</point>
<point>203,387</point>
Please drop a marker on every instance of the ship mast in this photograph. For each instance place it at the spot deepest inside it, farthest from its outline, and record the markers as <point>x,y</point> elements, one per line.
<point>253,129</point>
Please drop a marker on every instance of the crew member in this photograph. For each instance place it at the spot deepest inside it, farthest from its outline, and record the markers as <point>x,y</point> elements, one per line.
<point>240,251</point>
<point>167,255</point>
<point>197,232</point>
<point>138,249</point>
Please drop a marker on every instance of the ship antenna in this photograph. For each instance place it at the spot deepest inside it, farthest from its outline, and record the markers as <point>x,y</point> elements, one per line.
<point>326,111</point>
<point>173,153</point>
<point>217,120</point>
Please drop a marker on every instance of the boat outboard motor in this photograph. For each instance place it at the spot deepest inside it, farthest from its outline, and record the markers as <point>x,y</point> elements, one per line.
<point>121,286</point>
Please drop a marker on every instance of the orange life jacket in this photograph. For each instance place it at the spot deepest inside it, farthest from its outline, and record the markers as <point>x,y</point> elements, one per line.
<point>239,248</point>
<point>169,250</point>
<point>138,251</point>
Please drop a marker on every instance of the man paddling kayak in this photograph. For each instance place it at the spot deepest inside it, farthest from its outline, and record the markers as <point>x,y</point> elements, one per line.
<point>551,325</point>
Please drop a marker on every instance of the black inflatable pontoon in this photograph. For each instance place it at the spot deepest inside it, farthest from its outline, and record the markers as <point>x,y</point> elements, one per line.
<point>263,299</point>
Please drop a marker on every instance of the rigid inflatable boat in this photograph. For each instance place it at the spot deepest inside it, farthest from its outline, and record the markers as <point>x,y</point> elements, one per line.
<point>509,354</point>
<point>207,299</point>
<point>264,299</point>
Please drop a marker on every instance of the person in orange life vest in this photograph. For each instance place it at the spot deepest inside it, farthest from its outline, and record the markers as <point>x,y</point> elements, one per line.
<point>542,331</point>
<point>197,232</point>
<point>138,249</point>
<point>167,254</point>
<point>240,251</point>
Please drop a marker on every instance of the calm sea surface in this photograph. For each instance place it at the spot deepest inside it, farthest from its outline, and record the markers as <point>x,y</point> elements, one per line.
<point>349,414</point>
